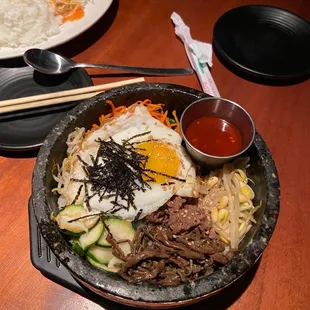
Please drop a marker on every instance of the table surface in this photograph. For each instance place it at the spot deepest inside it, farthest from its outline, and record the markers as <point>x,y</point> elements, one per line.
<point>140,33</point>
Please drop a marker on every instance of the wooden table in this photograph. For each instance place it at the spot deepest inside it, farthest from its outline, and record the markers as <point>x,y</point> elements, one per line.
<point>140,33</point>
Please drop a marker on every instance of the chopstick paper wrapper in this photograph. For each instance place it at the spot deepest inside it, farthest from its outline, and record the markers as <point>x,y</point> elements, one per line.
<point>199,55</point>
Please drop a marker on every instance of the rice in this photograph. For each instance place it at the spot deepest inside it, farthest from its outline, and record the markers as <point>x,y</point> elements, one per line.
<point>26,22</point>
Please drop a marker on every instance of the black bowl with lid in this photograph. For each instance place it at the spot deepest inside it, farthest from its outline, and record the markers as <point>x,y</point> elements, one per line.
<point>264,44</point>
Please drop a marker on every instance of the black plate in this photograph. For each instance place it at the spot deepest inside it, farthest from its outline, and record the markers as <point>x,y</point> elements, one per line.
<point>27,129</point>
<point>264,41</point>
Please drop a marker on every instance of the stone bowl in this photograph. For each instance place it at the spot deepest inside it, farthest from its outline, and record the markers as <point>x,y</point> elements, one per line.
<point>262,171</point>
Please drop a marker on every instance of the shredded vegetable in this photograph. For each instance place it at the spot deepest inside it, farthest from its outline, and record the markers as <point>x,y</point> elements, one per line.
<point>156,110</point>
<point>68,9</point>
<point>229,200</point>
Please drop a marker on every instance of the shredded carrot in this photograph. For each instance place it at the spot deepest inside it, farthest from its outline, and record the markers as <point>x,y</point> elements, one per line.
<point>156,110</point>
<point>177,129</point>
<point>168,124</point>
<point>110,103</point>
<point>69,9</point>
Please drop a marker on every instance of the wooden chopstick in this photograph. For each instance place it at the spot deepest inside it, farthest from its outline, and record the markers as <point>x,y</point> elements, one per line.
<point>59,97</point>
<point>48,102</point>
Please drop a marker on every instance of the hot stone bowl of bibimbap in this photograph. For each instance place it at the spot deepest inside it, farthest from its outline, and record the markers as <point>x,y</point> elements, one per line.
<point>128,212</point>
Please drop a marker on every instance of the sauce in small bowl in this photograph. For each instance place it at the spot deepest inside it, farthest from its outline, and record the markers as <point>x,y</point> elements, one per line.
<point>216,130</point>
<point>224,138</point>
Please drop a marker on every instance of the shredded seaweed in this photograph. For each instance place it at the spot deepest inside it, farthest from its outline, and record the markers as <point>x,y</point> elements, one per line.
<point>77,195</point>
<point>125,142</point>
<point>138,215</point>
<point>118,171</point>
<point>86,216</point>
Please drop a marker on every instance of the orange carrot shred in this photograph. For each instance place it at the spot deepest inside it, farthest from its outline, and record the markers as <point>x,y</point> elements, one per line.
<point>177,129</point>
<point>156,110</point>
<point>110,103</point>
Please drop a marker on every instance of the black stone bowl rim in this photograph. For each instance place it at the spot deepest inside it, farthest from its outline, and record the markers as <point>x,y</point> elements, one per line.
<point>121,289</point>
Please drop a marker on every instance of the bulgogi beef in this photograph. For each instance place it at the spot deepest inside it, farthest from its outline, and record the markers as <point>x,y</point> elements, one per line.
<point>173,246</point>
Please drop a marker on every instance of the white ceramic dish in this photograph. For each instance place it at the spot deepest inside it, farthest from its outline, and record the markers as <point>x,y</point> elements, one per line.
<point>93,12</point>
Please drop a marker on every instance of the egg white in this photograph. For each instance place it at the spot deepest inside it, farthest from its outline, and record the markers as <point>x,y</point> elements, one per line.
<point>121,128</point>
<point>136,121</point>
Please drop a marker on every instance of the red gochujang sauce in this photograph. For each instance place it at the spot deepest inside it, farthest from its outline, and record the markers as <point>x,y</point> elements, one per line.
<point>214,136</point>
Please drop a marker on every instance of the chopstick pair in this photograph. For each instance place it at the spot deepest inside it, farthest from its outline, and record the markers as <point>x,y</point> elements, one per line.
<point>60,97</point>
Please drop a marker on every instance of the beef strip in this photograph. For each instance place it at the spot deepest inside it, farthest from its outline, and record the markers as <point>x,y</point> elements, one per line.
<point>158,216</point>
<point>146,254</point>
<point>176,203</point>
<point>140,276</point>
<point>184,219</point>
<point>220,258</point>
<point>173,247</point>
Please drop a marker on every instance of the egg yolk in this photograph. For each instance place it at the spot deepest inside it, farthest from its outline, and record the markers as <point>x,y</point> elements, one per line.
<point>162,158</point>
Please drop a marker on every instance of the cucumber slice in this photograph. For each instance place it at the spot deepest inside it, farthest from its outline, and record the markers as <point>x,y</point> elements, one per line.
<point>71,210</point>
<point>120,230</point>
<point>103,240</point>
<point>100,254</point>
<point>125,247</point>
<point>91,237</point>
<point>76,247</point>
<point>70,233</point>
<point>76,227</point>
<point>115,263</point>
<point>102,266</point>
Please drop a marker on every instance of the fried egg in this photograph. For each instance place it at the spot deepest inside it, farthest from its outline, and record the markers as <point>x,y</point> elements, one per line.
<point>168,169</point>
